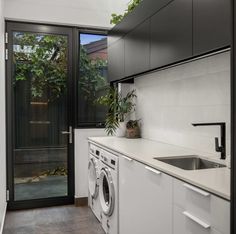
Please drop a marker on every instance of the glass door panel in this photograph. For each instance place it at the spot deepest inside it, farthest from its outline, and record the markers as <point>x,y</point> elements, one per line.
<point>39,62</point>
<point>40,105</point>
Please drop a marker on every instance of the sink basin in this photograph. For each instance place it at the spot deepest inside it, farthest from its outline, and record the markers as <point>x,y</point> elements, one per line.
<point>191,162</point>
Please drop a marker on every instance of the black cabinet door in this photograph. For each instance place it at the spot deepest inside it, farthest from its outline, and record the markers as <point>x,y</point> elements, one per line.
<point>171,33</point>
<point>116,60</point>
<point>137,49</point>
<point>211,25</point>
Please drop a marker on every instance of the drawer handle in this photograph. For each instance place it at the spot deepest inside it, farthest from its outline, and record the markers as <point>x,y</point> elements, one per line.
<point>153,170</point>
<point>197,190</point>
<point>196,220</point>
<point>129,159</point>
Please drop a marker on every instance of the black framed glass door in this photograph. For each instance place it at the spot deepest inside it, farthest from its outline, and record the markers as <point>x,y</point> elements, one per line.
<point>39,115</point>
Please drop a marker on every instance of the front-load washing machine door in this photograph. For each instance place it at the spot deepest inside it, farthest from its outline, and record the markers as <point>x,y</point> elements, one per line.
<point>93,178</point>
<point>106,192</point>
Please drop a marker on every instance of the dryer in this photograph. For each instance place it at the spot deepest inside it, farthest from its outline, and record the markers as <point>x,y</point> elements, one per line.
<point>108,192</point>
<point>93,180</point>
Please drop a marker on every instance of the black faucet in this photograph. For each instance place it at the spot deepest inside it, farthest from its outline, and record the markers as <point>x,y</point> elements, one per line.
<point>222,137</point>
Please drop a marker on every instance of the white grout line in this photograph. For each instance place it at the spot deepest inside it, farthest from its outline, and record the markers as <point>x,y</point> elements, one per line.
<point>3,219</point>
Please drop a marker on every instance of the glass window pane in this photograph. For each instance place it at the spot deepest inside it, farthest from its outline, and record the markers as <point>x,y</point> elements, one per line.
<point>92,78</point>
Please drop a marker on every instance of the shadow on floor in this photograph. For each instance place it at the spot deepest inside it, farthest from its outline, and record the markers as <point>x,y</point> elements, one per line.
<point>53,220</point>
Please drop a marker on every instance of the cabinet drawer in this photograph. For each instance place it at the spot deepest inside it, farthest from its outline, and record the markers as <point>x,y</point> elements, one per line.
<point>204,205</point>
<point>186,223</point>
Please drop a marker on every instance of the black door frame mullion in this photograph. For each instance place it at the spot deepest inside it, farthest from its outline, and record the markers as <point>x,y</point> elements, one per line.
<point>45,29</point>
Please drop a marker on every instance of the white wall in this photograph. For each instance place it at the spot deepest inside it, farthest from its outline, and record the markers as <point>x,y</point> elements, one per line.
<point>95,13</point>
<point>2,121</point>
<point>170,100</point>
<point>81,159</point>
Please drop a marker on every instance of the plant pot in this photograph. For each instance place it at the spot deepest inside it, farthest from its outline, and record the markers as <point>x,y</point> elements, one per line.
<point>133,132</point>
<point>120,131</point>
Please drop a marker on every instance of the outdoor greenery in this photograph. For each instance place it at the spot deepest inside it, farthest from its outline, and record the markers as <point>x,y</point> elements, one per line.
<point>43,60</point>
<point>119,107</point>
<point>91,79</point>
<point>115,19</point>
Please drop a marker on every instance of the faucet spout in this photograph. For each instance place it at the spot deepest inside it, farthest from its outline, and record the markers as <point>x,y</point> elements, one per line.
<point>222,147</point>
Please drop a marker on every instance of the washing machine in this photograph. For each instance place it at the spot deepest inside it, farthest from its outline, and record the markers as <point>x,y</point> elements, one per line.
<point>93,180</point>
<point>108,192</point>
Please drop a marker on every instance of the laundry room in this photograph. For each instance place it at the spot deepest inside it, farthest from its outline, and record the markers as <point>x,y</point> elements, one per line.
<point>118,117</point>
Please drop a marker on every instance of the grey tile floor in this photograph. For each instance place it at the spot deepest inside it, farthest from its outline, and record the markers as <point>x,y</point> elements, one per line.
<point>53,220</point>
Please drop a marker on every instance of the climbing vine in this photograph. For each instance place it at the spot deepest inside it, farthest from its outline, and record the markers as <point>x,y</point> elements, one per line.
<point>115,18</point>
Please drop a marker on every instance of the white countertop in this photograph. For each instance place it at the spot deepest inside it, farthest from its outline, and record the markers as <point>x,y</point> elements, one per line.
<point>215,180</point>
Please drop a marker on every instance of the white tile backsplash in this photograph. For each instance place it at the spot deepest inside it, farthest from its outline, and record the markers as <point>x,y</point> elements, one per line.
<point>170,100</point>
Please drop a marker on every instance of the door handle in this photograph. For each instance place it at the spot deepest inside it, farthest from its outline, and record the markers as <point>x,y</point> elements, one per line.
<point>70,133</point>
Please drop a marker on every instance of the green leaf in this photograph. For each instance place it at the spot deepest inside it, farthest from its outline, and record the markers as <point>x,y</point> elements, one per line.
<point>118,107</point>
<point>115,19</point>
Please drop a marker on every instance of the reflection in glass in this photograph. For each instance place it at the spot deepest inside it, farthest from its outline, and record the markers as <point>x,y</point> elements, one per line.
<point>92,78</point>
<point>40,106</point>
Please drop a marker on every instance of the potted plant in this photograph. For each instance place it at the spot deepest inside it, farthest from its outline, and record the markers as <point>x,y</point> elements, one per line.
<point>119,108</point>
<point>132,129</point>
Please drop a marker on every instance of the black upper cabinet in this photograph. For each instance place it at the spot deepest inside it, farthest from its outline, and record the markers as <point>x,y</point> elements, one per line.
<point>171,34</point>
<point>137,49</point>
<point>159,33</point>
<point>116,60</point>
<point>143,11</point>
<point>211,25</point>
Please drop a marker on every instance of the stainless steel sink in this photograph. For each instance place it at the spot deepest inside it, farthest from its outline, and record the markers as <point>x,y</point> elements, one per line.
<point>191,162</point>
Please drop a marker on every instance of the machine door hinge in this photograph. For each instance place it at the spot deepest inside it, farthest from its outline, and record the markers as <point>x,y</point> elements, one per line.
<point>6,37</point>
<point>6,54</point>
<point>8,195</point>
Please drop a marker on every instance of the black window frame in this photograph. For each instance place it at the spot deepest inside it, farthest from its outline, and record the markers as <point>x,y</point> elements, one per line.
<point>76,65</point>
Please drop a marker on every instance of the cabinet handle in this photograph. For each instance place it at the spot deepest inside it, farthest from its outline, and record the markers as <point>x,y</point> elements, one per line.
<point>196,220</point>
<point>129,159</point>
<point>197,190</point>
<point>153,170</point>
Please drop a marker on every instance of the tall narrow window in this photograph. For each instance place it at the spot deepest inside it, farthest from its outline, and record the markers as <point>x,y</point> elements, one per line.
<point>92,80</point>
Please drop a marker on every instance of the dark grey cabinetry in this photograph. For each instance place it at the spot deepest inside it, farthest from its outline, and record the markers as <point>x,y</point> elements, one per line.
<point>211,25</point>
<point>116,60</point>
<point>171,34</point>
<point>160,33</point>
<point>137,49</point>
<point>142,12</point>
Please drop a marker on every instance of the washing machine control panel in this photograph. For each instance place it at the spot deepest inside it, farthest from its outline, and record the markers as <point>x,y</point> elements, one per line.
<point>109,159</point>
<point>93,149</point>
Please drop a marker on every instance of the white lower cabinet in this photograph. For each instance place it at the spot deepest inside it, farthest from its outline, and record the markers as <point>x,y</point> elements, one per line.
<point>199,212</point>
<point>145,199</point>
<point>187,223</point>
<point>151,202</point>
